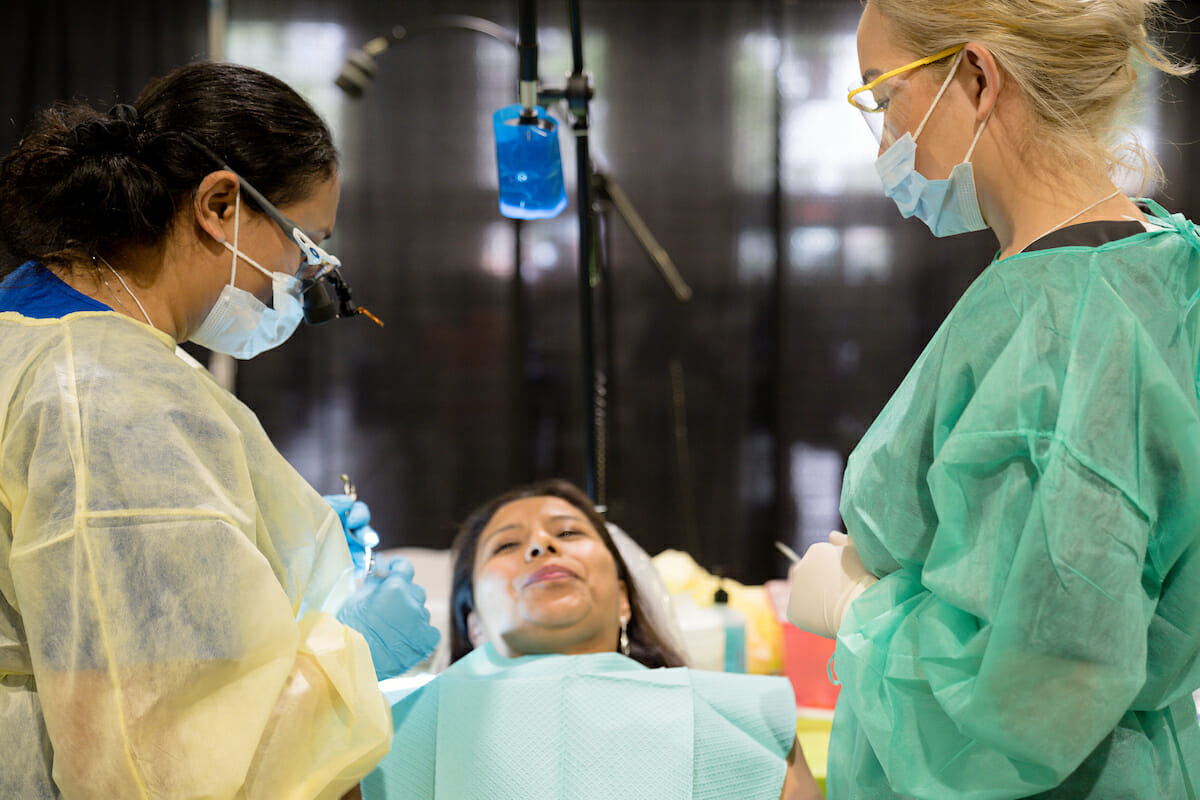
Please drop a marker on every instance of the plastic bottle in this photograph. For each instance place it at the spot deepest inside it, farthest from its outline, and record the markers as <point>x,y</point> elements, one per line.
<point>703,634</point>
<point>734,623</point>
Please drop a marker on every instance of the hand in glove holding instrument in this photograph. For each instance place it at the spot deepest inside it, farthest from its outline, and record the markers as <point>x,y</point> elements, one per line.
<point>361,538</point>
<point>823,584</point>
<point>389,611</point>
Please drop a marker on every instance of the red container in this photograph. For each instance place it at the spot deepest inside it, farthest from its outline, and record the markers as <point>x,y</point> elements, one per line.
<point>806,656</point>
<point>806,664</point>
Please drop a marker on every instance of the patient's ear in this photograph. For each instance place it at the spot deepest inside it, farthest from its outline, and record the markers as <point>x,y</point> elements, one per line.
<point>475,632</point>
<point>624,611</point>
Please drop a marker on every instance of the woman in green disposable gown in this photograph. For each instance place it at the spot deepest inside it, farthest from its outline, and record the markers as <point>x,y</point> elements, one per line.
<point>563,687</point>
<point>1029,499</point>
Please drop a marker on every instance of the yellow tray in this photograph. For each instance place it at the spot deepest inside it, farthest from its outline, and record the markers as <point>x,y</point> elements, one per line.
<point>812,730</point>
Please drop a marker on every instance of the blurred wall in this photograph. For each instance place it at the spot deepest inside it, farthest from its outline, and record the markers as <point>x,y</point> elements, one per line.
<point>724,121</point>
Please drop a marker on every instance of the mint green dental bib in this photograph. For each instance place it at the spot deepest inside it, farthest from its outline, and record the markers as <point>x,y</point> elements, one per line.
<point>592,726</point>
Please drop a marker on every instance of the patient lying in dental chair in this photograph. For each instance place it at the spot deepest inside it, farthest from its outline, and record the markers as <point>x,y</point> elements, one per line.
<point>563,685</point>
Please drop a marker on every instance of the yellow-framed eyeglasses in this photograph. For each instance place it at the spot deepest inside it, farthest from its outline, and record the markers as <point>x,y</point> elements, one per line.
<point>867,102</point>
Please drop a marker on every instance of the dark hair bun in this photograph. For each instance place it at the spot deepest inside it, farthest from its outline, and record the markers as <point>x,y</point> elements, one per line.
<point>79,183</point>
<point>83,182</point>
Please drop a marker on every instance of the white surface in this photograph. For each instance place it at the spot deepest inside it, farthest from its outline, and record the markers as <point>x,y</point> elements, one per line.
<point>396,689</point>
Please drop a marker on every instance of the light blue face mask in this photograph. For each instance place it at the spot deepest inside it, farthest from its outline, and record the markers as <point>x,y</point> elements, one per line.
<point>948,206</point>
<point>241,325</point>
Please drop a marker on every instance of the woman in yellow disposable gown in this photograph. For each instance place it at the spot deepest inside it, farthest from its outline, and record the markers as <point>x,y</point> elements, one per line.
<point>1029,499</point>
<point>176,603</point>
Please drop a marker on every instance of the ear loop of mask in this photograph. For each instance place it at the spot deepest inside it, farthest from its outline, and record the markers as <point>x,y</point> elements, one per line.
<point>127,289</point>
<point>237,215</point>
<point>946,85</point>
<point>938,96</point>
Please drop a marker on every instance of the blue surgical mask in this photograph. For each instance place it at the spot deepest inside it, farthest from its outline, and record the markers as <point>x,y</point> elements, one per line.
<point>948,206</point>
<point>241,325</point>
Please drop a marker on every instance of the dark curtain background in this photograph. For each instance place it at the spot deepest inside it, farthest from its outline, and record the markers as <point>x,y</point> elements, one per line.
<point>729,418</point>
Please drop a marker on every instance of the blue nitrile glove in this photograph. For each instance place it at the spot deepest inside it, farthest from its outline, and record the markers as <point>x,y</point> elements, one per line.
<point>360,536</point>
<point>389,611</point>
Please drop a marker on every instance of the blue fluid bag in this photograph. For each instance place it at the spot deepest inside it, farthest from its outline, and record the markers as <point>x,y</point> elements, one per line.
<point>531,180</point>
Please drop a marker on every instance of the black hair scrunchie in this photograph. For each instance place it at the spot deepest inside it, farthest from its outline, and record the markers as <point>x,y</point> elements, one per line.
<point>124,111</point>
<point>116,135</point>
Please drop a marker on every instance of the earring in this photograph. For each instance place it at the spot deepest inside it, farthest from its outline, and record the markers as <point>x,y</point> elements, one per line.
<point>624,637</point>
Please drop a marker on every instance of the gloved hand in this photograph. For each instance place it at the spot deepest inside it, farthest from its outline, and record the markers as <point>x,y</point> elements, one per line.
<point>389,611</point>
<point>360,536</point>
<point>824,583</point>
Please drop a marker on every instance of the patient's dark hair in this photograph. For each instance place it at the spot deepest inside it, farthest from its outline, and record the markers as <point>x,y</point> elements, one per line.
<point>646,644</point>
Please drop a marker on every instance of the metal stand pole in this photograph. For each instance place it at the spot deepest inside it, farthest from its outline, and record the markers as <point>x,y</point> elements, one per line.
<point>578,104</point>
<point>222,366</point>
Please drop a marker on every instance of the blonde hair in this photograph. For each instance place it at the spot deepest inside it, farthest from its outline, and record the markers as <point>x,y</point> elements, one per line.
<point>1072,59</point>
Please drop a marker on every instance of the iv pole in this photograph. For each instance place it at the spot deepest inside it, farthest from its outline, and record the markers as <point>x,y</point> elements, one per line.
<point>578,94</point>
<point>222,366</point>
<point>592,188</point>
